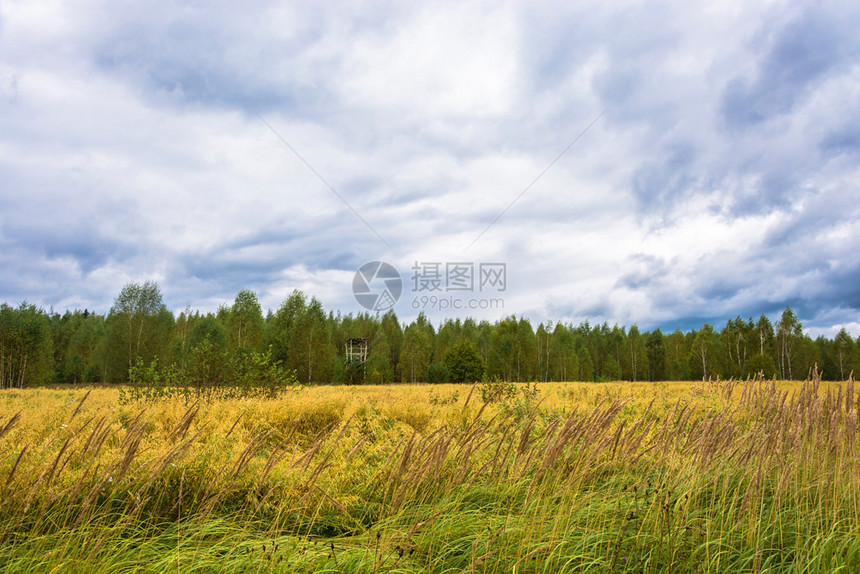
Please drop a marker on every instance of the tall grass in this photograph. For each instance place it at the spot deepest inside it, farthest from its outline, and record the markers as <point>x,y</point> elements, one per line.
<point>749,476</point>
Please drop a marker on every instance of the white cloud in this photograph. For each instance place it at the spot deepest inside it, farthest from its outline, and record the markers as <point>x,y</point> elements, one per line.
<point>458,60</point>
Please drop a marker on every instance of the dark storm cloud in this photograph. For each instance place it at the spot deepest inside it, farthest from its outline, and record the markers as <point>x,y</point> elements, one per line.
<point>596,311</point>
<point>842,140</point>
<point>721,286</point>
<point>231,275</point>
<point>206,81</point>
<point>799,54</point>
<point>688,323</point>
<point>774,190</point>
<point>260,258</point>
<point>236,266</point>
<point>667,180</point>
<point>644,270</point>
<point>790,55</point>
<point>66,221</point>
<point>88,248</point>
<point>842,290</point>
<point>191,56</point>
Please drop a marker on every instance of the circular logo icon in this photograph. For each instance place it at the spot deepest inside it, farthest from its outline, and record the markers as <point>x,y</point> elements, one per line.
<point>377,286</point>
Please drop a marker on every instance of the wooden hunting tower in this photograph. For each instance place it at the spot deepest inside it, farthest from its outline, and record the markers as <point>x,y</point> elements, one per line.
<point>356,359</point>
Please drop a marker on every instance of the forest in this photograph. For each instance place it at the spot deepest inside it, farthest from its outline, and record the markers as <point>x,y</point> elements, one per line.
<point>39,347</point>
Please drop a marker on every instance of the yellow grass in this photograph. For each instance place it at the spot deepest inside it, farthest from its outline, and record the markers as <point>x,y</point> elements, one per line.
<point>384,465</point>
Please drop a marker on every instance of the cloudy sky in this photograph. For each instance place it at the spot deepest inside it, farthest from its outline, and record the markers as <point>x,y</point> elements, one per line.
<point>660,163</point>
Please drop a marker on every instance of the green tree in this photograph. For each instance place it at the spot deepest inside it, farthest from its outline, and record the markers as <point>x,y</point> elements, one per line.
<point>513,351</point>
<point>312,355</point>
<point>501,350</point>
<point>208,366</point>
<point>544,343</point>
<point>379,361</point>
<point>438,374</point>
<point>843,346</point>
<point>525,354</point>
<point>805,357</point>
<point>611,369</point>
<point>140,308</point>
<point>789,332</point>
<point>471,332</point>
<point>415,355</point>
<point>826,359</point>
<point>584,364</point>
<point>62,329</point>
<point>483,341</point>
<point>179,348</point>
<point>763,336</point>
<point>656,356</point>
<point>562,355</point>
<point>26,346</point>
<point>762,364</point>
<point>245,322</point>
<point>390,325</point>
<point>615,349</point>
<point>209,328</point>
<point>280,330</point>
<point>446,337</point>
<point>464,363</point>
<point>703,353</point>
<point>635,359</point>
<point>598,340</point>
<point>79,360</point>
<point>677,354</point>
<point>735,338</point>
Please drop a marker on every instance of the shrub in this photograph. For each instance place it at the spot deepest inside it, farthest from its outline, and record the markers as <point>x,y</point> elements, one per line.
<point>764,364</point>
<point>438,374</point>
<point>210,374</point>
<point>497,391</point>
<point>464,363</point>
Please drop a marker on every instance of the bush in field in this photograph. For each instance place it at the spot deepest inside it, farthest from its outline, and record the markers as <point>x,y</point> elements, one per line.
<point>438,373</point>
<point>763,364</point>
<point>497,391</point>
<point>258,374</point>
<point>464,362</point>
<point>149,383</point>
<point>210,374</point>
<point>209,367</point>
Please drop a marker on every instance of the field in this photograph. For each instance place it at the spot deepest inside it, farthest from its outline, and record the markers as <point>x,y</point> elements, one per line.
<point>754,476</point>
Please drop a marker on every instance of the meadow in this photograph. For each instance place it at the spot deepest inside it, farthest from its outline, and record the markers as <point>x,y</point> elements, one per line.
<point>731,476</point>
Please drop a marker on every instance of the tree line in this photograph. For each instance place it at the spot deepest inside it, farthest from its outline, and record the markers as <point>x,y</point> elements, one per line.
<point>42,347</point>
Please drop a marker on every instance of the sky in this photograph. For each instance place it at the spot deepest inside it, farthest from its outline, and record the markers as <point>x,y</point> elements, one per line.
<point>659,163</point>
